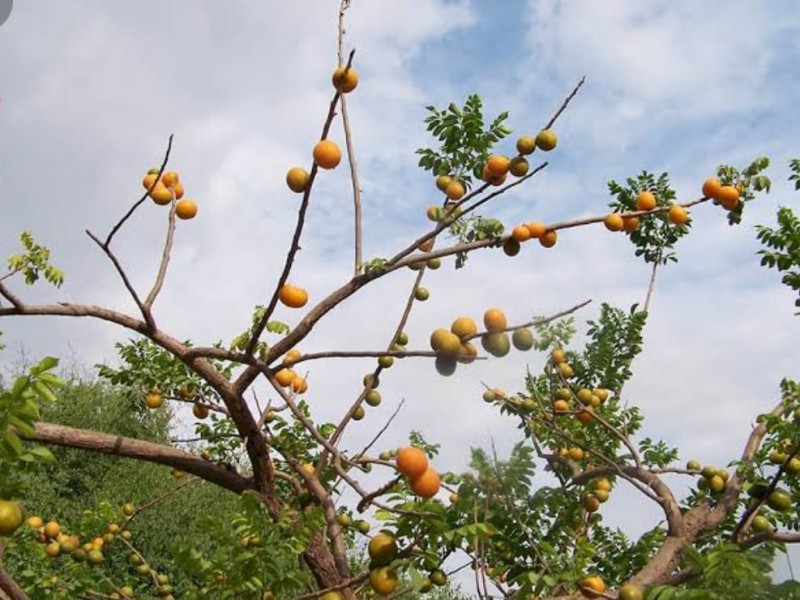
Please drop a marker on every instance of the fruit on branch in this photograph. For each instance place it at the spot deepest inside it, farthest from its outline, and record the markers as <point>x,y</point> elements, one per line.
<point>421,294</point>
<point>200,411</point>
<point>467,353</point>
<point>435,214</point>
<point>383,580</point>
<point>154,399</point>
<point>186,209</point>
<point>293,296</point>
<point>455,190</point>
<point>497,165</point>
<point>438,577</point>
<point>630,591</point>
<point>630,224</point>
<point>345,80</point>
<point>150,178</point>
<point>359,413</point>
<point>526,144</point>
<point>522,338</point>
<point>549,238</point>
<point>693,465</point>
<point>592,586</point>
<point>518,167</point>
<point>161,194</point>
<point>11,516</point>
<point>334,595</point>
<point>613,222</point>
<point>495,320</point>
<point>299,385</point>
<point>411,461</point>
<point>284,377</point>
<point>728,197</point>
<point>373,398</point>
<point>645,200</point>
<point>711,188</point>
<point>496,344</point>
<point>327,154</point>
<point>779,500</point>
<point>536,229</point>
<point>442,181</point>
<point>546,140</point>
<point>297,179</point>
<point>511,247</point>
<point>678,215</point>
<point>561,406</point>
<point>464,327</point>
<point>382,549</point>
<point>426,485</point>
<point>761,524</point>
<point>386,361</point>
<point>128,509</point>
<point>521,233</point>
<point>170,179</point>
<point>585,416</point>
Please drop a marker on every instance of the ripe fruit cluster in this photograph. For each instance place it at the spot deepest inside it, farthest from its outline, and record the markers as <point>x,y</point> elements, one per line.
<point>168,188</point>
<point>725,195</point>
<point>412,462</point>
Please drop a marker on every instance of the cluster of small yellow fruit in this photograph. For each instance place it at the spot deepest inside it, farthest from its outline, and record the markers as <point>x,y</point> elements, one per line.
<point>326,153</point>
<point>589,399</point>
<point>498,166</point>
<point>288,378</point>
<point>593,586</point>
<point>168,188</point>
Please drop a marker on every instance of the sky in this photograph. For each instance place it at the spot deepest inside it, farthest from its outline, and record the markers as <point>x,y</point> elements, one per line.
<point>91,91</point>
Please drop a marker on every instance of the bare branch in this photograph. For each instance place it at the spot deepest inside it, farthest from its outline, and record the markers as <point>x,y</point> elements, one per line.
<point>165,256</point>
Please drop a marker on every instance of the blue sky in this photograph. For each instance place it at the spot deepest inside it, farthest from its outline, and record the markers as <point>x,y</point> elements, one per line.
<point>89,101</point>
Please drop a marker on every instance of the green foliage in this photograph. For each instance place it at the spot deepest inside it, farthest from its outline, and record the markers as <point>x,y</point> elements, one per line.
<point>656,236</point>
<point>34,263</point>
<point>466,142</point>
<point>474,228</point>
<point>782,248</point>
<point>749,180</point>
<point>19,411</point>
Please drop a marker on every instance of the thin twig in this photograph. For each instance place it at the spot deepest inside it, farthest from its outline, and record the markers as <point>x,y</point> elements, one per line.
<point>566,102</point>
<point>144,197</point>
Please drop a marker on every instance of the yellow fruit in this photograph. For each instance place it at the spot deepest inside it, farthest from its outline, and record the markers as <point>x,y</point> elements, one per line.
<point>383,580</point>
<point>549,238</point>
<point>630,224</point>
<point>293,296</point>
<point>495,320</point>
<point>558,356</point>
<point>455,190</point>
<point>546,140</point>
<point>170,179</point>
<point>382,549</point>
<point>11,516</point>
<point>711,187</point>
<point>630,591</point>
<point>536,229</point>
<point>52,529</point>
<point>526,144</point>
<point>179,191</point>
<point>327,154</point>
<point>728,196</point>
<point>150,178</point>
<point>442,181</point>
<point>345,82</point>
<point>464,327</point>
<point>161,194</point>
<point>613,222</point>
<point>592,586</point>
<point>154,400</point>
<point>35,522</point>
<point>678,215</point>
<point>186,209</point>
<point>284,377</point>
<point>297,179</point>
<point>645,201</point>
<point>521,233</point>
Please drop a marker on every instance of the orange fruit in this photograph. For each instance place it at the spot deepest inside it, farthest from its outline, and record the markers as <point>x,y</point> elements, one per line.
<point>576,453</point>
<point>200,411</point>
<point>711,187</point>
<point>179,191</point>
<point>546,140</point>
<point>521,233</point>
<point>292,356</point>
<point>549,238</point>
<point>493,179</point>
<point>585,416</point>
<point>728,196</point>
<point>161,194</point>
<point>561,406</point>
<point>299,385</point>
<point>293,296</point>
<point>52,529</point>
<point>630,224</point>
<point>455,190</point>
<point>383,580</point>
<point>327,154</point>
<point>434,213</point>
<point>518,167</point>
<point>426,485</point>
<point>284,377</point>
<point>678,215</point>
<point>345,82</point>
<point>464,327</point>
<point>467,353</point>
<point>442,181</point>
<point>613,222</point>
<point>154,400</point>
<point>592,586</point>
<point>35,522</point>
<point>186,209</point>
<point>297,179</point>
<point>411,461</point>
<point>170,179</point>
<point>150,178</point>
<point>645,201</point>
<point>591,503</point>
<point>558,356</point>
<point>382,549</point>
<point>497,165</point>
<point>536,228</point>
<point>495,320</point>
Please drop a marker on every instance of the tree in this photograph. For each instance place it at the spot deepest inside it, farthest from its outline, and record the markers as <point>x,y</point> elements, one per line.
<point>291,471</point>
